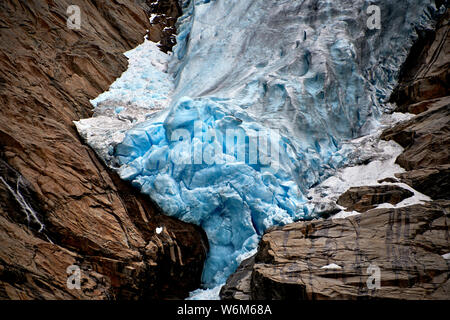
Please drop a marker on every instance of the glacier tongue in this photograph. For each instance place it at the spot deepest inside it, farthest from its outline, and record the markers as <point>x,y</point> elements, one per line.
<point>263,95</point>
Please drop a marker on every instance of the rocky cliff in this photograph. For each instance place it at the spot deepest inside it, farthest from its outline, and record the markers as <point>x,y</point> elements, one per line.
<point>163,18</point>
<point>59,205</point>
<point>407,248</point>
<point>331,259</point>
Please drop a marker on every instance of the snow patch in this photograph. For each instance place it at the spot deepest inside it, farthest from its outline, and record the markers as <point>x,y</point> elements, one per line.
<point>153,16</point>
<point>332,266</point>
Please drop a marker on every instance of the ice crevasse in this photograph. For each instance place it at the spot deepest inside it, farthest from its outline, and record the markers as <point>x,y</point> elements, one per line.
<point>251,110</point>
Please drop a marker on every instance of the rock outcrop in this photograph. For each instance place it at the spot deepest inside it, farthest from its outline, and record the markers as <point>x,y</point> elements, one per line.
<point>164,15</point>
<point>434,182</point>
<point>238,286</point>
<point>59,205</point>
<point>407,249</point>
<point>335,259</point>
<point>426,139</point>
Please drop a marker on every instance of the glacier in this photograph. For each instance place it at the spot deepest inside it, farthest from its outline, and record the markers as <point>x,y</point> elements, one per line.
<point>251,110</point>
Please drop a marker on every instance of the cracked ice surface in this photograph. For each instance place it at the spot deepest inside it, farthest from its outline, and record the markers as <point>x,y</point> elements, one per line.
<point>308,73</point>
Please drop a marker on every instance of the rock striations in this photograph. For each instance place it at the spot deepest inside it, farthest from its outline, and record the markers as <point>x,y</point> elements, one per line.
<point>59,205</point>
<point>385,253</point>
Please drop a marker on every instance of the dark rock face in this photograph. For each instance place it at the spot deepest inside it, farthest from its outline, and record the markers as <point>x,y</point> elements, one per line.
<point>426,139</point>
<point>424,90</point>
<point>85,215</point>
<point>434,182</point>
<point>365,198</point>
<point>238,285</point>
<point>425,75</point>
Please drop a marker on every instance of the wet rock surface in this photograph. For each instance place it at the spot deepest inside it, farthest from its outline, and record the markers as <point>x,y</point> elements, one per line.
<point>434,182</point>
<point>163,17</point>
<point>85,214</point>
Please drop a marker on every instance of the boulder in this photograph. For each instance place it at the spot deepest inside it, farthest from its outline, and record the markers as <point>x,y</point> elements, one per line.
<point>388,179</point>
<point>365,198</point>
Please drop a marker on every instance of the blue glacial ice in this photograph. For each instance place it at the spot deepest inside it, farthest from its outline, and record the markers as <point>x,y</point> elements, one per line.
<point>262,96</point>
